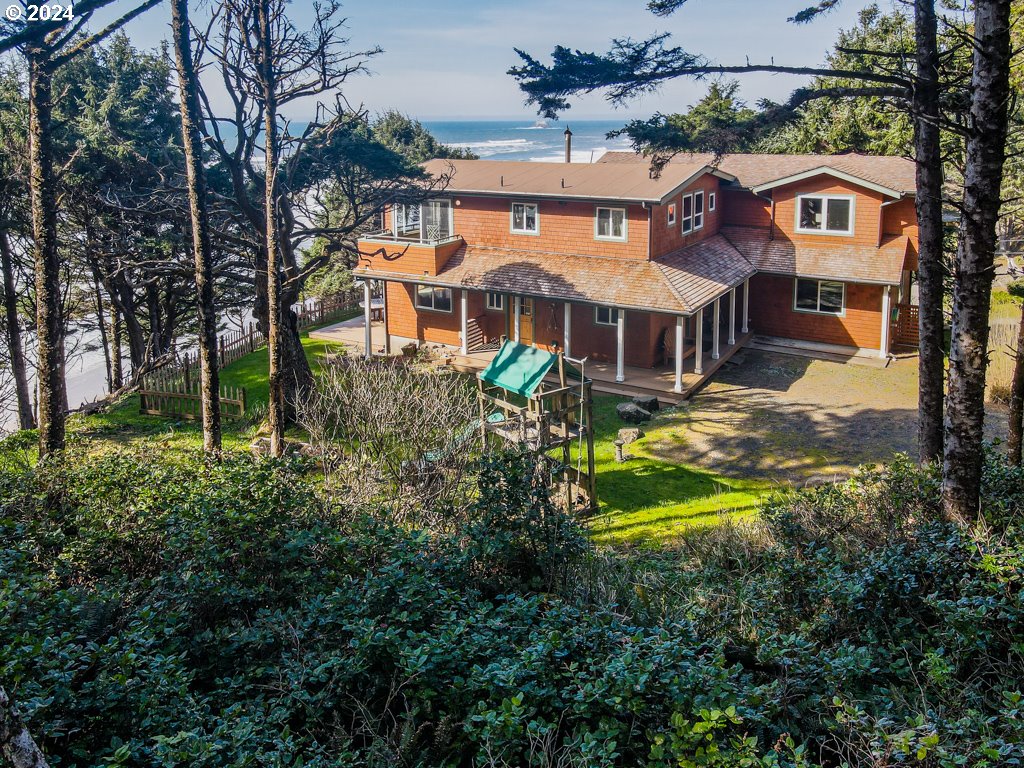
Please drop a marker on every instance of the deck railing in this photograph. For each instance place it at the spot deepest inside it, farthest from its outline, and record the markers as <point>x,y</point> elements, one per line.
<point>391,237</point>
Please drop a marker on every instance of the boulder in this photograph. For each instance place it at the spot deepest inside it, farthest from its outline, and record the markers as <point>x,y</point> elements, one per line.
<point>630,434</point>
<point>632,413</point>
<point>647,402</point>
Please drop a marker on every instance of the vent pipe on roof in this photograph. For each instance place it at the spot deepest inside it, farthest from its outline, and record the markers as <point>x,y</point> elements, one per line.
<point>568,145</point>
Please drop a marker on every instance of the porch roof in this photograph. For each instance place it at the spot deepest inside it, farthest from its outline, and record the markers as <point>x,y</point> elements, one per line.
<point>680,283</point>
<point>833,261</point>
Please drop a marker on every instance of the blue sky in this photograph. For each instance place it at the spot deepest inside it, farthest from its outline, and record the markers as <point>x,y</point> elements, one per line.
<point>447,58</point>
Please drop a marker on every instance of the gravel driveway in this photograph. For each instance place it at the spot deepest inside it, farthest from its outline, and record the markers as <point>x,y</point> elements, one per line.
<point>795,420</point>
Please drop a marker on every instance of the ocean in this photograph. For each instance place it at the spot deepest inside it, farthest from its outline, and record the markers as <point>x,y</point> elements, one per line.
<point>541,141</point>
<point>490,139</point>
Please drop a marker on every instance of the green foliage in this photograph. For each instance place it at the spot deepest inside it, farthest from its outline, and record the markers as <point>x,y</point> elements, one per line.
<point>409,138</point>
<point>168,612</point>
<point>719,123</point>
<point>870,124</point>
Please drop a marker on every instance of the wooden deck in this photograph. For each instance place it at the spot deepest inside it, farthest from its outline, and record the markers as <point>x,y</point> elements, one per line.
<point>639,381</point>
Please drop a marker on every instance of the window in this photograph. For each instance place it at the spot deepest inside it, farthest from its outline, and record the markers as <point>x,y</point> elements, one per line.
<point>495,301</point>
<point>610,224</point>
<point>407,220</point>
<point>687,213</point>
<point>698,210</point>
<point>525,219</point>
<point>824,215</point>
<point>711,201</point>
<point>434,298</point>
<point>606,316</point>
<point>671,214</point>
<point>820,296</point>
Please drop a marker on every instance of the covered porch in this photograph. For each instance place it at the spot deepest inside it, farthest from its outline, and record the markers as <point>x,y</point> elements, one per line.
<point>625,352</point>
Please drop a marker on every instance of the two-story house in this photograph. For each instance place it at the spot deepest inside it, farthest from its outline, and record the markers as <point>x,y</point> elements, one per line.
<point>673,272</point>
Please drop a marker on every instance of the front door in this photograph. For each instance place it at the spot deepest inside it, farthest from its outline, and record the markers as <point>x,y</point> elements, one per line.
<point>526,321</point>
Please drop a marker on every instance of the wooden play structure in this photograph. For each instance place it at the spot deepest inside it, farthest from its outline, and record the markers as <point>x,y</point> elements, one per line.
<point>540,400</point>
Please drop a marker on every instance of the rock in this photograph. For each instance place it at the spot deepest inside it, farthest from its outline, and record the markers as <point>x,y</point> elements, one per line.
<point>410,349</point>
<point>632,413</point>
<point>630,434</point>
<point>647,402</point>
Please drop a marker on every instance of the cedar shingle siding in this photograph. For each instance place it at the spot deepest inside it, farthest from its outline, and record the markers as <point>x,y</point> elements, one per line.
<point>658,272</point>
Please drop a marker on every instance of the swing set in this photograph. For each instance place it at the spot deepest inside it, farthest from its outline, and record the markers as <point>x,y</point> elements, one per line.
<point>543,401</point>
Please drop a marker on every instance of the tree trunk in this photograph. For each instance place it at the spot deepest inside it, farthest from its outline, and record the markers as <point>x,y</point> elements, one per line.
<point>116,374</point>
<point>202,251</point>
<point>16,744</point>
<point>927,149</point>
<point>1015,435</point>
<point>276,404</point>
<point>49,319</point>
<point>102,325</point>
<point>975,259</point>
<point>26,419</point>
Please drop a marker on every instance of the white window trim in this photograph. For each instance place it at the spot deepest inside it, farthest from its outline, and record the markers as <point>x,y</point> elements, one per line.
<point>683,218</point>
<point>796,281</point>
<point>824,215</point>
<point>512,218</point>
<point>625,224</point>
<point>698,195</point>
<point>712,199</point>
<point>416,298</point>
<point>670,214</point>
<point>487,301</point>
<point>613,312</point>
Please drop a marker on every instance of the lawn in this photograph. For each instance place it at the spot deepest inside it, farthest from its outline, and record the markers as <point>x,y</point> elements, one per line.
<point>123,424</point>
<point>646,500</point>
<point>643,500</point>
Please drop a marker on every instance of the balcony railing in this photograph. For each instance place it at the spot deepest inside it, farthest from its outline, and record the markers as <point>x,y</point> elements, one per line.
<point>412,238</point>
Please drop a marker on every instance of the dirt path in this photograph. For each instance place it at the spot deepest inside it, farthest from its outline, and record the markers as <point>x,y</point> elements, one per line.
<point>796,420</point>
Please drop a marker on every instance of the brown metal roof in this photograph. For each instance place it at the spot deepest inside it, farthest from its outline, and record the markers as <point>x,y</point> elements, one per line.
<point>625,182</point>
<point>679,283</point>
<point>755,170</point>
<point>834,261</point>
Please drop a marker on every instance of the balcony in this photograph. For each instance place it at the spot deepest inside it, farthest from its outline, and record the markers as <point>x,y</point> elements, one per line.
<point>410,253</point>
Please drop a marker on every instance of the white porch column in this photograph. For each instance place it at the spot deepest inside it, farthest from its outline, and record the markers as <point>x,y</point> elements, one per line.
<point>698,359</point>
<point>368,336</point>
<point>620,346</point>
<point>465,322</point>
<point>567,340</point>
<point>518,305</point>
<point>883,352</point>
<point>679,354</point>
<point>384,314</point>
<point>715,329</point>
<point>746,305</point>
<point>732,316</point>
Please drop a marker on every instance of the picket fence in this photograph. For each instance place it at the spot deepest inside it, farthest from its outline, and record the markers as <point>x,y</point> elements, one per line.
<point>174,389</point>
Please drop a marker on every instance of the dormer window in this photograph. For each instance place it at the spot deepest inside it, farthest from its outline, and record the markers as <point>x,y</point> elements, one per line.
<point>525,219</point>
<point>671,215</point>
<point>824,214</point>
<point>698,210</point>
<point>687,213</point>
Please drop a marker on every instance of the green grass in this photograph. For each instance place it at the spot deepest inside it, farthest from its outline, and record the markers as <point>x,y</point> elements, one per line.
<point>645,500</point>
<point>123,424</point>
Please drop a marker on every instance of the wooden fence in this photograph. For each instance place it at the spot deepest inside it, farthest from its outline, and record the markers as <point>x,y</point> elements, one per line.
<point>173,390</point>
<point>173,393</point>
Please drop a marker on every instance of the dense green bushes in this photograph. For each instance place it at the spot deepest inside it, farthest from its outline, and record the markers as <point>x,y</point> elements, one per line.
<point>162,613</point>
